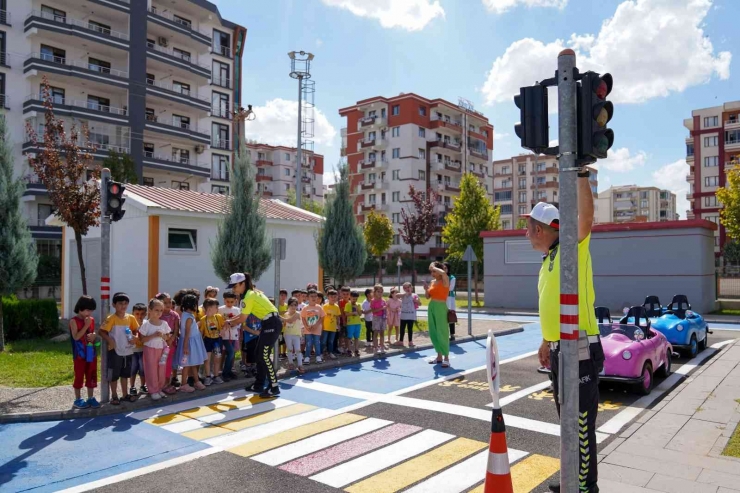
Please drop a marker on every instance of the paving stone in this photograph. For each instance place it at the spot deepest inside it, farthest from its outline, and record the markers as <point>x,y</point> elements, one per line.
<point>720,368</point>
<point>695,437</point>
<point>726,490</point>
<point>626,475</point>
<point>682,459</point>
<point>686,406</point>
<point>608,486</point>
<point>650,464</point>
<point>631,430</point>
<point>676,485</point>
<point>719,478</point>
<point>659,430</point>
<point>612,446</point>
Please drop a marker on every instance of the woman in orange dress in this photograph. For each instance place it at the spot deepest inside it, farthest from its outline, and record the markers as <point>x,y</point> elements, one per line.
<point>439,329</point>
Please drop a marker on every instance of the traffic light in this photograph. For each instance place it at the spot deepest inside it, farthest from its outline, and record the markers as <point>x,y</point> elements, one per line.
<point>115,200</point>
<point>533,128</point>
<point>594,112</point>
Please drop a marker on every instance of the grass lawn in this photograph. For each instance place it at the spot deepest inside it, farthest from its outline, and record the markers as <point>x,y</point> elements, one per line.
<point>459,303</point>
<point>733,446</point>
<point>37,363</point>
<point>727,312</point>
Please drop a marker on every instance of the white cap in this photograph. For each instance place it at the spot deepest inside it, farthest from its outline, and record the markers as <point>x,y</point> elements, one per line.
<point>235,279</point>
<point>546,214</point>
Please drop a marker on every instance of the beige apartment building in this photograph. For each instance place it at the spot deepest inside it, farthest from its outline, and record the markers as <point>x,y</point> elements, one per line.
<point>712,148</point>
<point>276,171</point>
<point>519,182</point>
<point>391,143</point>
<point>630,203</point>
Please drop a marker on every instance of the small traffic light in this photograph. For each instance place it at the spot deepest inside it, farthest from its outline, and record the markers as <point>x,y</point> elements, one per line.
<point>115,200</point>
<point>594,112</point>
<point>533,128</point>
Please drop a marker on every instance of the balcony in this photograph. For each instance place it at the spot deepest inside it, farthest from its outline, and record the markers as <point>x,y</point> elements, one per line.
<point>369,122</point>
<point>448,186</point>
<point>263,162</point>
<point>65,26</point>
<point>479,153</point>
<point>177,95</point>
<point>264,178</point>
<point>219,143</point>
<point>437,251</point>
<point>43,62</point>
<point>179,60</point>
<point>266,193</point>
<point>373,163</point>
<point>5,101</point>
<point>375,143</point>
<point>690,177</point>
<point>445,122</point>
<point>689,196</point>
<point>5,17</point>
<point>221,112</point>
<point>77,109</point>
<point>732,123</point>
<point>453,166</point>
<point>479,174</point>
<point>546,185</point>
<point>690,158</point>
<point>447,144</point>
<point>34,186</point>
<point>223,51</point>
<point>168,162</point>
<point>501,173</point>
<point>733,142</point>
<point>221,82</point>
<point>164,18</point>
<point>176,128</point>
<point>306,165</point>
<point>100,144</point>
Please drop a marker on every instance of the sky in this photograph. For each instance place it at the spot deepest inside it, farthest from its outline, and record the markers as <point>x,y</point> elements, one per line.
<point>667,58</point>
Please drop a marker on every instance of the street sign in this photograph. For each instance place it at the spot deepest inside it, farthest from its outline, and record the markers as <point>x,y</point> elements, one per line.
<point>469,255</point>
<point>278,248</point>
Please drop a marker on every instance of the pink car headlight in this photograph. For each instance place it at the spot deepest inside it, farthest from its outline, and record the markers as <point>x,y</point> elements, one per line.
<point>626,355</point>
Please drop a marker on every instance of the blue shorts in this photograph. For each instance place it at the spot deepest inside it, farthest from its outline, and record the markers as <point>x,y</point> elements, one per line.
<point>210,343</point>
<point>353,331</point>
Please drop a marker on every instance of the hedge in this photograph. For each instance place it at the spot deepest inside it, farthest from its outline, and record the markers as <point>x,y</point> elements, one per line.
<point>29,319</point>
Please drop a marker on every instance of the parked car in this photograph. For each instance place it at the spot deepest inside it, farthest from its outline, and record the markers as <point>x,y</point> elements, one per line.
<point>685,329</point>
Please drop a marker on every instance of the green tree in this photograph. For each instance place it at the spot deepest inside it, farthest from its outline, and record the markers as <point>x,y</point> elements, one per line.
<point>731,252</point>
<point>378,232</point>
<point>341,245</point>
<point>18,260</point>
<point>729,197</point>
<point>418,226</point>
<point>521,223</point>
<point>121,166</point>
<point>241,243</point>
<point>306,204</point>
<point>472,213</point>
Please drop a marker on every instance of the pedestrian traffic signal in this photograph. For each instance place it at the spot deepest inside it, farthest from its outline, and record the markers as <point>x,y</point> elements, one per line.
<point>115,200</point>
<point>533,128</point>
<point>594,112</point>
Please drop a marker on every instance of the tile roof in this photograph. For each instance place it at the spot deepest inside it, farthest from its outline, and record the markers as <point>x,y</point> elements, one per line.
<point>213,203</point>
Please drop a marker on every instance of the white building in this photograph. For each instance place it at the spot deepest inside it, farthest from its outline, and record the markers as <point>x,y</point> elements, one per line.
<point>276,171</point>
<point>630,203</point>
<point>154,79</point>
<point>163,243</point>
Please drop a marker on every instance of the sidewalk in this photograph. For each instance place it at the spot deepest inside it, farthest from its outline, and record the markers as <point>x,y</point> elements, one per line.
<point>53,403</point>
<point>676,446</point>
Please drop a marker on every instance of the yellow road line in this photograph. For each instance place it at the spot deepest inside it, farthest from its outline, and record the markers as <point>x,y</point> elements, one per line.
<point>529,472</point>
<point>247,422</point>
<point>294,434</point>
<point>418,468</point>
<point>207,410</point>
<point>166,419</point>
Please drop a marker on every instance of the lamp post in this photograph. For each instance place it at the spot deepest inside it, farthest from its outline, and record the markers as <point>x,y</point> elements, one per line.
<point>399,263</point>
<point>300,68</point>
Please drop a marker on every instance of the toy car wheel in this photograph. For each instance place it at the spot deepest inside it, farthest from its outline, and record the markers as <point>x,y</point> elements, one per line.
<point>647,383</point>
<point>703,344</point>
<point>693,346</point>
<point>665,370</point>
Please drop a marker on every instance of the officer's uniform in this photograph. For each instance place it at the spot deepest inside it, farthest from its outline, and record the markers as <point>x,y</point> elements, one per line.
<point>590,364</point>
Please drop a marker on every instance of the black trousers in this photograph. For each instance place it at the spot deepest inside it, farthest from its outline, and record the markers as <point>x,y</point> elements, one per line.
<point>588,406</point>
<point>271,330</point>
<point>368,331</point>
<point>407,325</point>
<point>452,329</point>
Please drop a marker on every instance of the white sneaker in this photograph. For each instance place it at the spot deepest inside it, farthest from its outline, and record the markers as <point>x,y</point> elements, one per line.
<point>218,379</point>
<point>333,356</point>
<point>208,381</point>
<point>306,361</point>
<point>155,396</point>
<point>319,360</point>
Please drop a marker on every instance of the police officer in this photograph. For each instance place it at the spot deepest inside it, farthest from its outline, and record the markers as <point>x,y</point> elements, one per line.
<point>543,226</point>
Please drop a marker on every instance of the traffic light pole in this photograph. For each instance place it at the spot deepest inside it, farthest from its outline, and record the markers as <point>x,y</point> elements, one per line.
<point>104,281</point>
<point>568,360</point>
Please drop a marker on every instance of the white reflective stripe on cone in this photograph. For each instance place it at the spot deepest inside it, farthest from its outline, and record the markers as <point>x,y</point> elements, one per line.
<point>498,463</point>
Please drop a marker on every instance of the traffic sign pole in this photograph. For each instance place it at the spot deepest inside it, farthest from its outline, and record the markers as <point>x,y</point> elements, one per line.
<point>470,257</point>
<point>278,254</point>
<point>104,281</point>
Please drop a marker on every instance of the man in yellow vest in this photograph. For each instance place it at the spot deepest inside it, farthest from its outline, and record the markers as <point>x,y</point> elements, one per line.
<point>543,231</point>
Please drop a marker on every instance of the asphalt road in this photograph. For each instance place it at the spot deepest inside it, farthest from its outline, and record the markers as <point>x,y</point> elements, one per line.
<point>228,471</point>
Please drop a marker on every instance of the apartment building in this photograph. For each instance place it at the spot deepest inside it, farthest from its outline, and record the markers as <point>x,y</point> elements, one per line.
<point>156,80</point>
<point>630,203</point>
<point>519,182</point>
<point>391,143</point>
<point>712,148</point>
<point>276,171</point>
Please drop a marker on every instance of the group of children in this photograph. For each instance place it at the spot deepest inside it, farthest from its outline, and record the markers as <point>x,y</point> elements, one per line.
<point>171,334</point>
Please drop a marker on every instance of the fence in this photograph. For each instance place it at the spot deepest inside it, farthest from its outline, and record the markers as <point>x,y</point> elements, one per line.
<point>728,286</point>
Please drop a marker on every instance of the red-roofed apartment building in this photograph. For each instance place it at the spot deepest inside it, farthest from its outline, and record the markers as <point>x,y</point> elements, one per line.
<point>276,171</point>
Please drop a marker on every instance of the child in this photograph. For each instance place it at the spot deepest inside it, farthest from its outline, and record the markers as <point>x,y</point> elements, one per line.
<point>82,329</point>
<point>282,308</point>
<point>368,317</point>
<point>394,315</point>
<point>210,328</point>
<point>230,336</point>
<point>331,323</point>
<point>352,311</point>
<point>378,306</point>
<point>170,316</point>
<point>292,333</point>
<point>210,292</point>
<point>118,332</point>
<point>303,299</point>
<point>409,305</point>
<point>341,346</point>
<point>191,353</point>
<point>156,334</point>
<point>312,317</point>
<point>137,359</point>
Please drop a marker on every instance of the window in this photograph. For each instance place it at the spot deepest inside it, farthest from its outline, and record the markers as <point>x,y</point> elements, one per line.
<point>148,149</point>
<point>711,121</point>
<point>98,103</point>
<point>51,54</point>
<point>396,239</point>
<point>394,174</point>
<point>711,201</point>
<point>287,172</point>
<point>522,196</point>
<point>181,87</point>
<point>182,20</point>
<point>522,209</point>
<point>98,65</point>
<point>711,141</point>
<point>220,104</point>
<point>422,175</point>
<point>180,121</point>
<point>499,196</point>
<point>222,189</point>
<point>396,217</point>
<point>423,110</point>
<point>643,195</point>
<point>52,14</point>
<point>220,136</point>
<point>181,156</point>
<point>732,137</point>
<point>148,181</point>
<point>220,74</point>
<point>180,185</point>
<point>372,198</point>
<point>396,110</point>
<point>522,183</point>
<point>396,153</point>
<point>221,43</point>
<point>716,241</point>
<point>689,150</point>
<point>714,219</point>
<point>287,187</point>
<point>149,115</point>
<point>182,54</point>
<point>711,181</point>
<point>395,131</point>
<point>99,27</point>
<point>422,132</point>
<point>422,154</point>
<point>506,224</point>
<point>506,209</point>
<point>395,196</point>
<point>220,167</point>
<point>644,204</point>
<point>55,93</point>
<point>711,161</point>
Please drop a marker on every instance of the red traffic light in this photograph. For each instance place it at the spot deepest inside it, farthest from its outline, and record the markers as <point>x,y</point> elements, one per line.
<point>114,188</point>
<point>602,86</point>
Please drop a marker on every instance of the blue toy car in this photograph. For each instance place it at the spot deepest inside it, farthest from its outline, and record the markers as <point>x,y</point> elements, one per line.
<point>685,329</point>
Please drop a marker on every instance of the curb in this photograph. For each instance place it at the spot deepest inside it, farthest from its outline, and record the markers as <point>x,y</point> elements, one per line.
<point>107,409</point>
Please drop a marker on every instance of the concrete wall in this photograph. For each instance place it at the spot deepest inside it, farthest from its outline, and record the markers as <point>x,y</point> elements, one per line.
<point>630,262</point>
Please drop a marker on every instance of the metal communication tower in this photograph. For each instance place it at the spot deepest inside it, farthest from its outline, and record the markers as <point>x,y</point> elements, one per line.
<point>300,68</point>
<point>307,128</point>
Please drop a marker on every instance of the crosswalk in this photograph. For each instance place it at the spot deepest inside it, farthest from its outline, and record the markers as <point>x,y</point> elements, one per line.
<point>342,448</point>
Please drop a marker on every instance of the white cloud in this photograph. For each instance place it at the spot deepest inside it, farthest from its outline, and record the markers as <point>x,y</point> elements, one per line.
<point>501,6</point>
<point>412,15</point>
<point>673,177</point>
<point>319,42</point>
<point>621,160</point>
<point>276,124</point>
<point>651,47</point>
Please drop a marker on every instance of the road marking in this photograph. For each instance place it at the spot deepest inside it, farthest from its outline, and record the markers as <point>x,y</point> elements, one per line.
<point>521,394</point>
<point>173,409</point>
<point>376,461</point>
<point>255,447</point>
<point>329,457</point>
<point>218,419</point>
<point>631,412</point>
<point>418,468</point>
<point>533,470</point>
<point>321,441</point>
<point>462,476</point>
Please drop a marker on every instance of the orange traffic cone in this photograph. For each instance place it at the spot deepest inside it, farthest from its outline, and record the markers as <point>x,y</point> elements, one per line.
<point>498,474</point>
